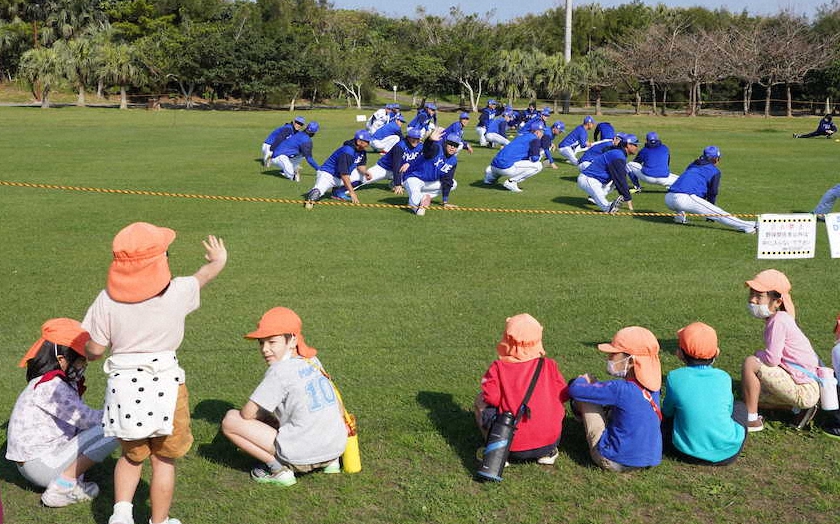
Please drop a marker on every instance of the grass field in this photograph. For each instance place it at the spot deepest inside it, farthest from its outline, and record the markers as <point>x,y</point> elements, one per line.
<point>406,311</point>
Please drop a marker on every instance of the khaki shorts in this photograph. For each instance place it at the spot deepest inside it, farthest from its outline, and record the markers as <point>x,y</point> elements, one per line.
<point>171,446</point>
<point>779,390</point>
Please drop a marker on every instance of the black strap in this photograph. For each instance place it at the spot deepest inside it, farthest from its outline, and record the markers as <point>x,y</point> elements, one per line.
<point>524,409</point>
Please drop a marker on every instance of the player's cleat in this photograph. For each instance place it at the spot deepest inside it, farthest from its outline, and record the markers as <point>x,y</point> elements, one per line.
<point>591,200</point>
<point>636,189</point>
<point>489,179</point>
<point>616,205</point>
<point>424,204</point>
<point>340,193</point>
<point>311,198</point>
<point>680,218</point>
<point>512,186</point>
<point>267,160</point>
<point>296,178</point>
<point>795,135</point>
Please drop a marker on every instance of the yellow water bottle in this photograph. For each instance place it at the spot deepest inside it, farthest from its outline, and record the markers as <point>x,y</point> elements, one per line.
<point>351,459</point>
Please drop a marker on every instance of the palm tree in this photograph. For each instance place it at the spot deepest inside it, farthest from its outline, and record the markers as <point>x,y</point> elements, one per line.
<point>121,66</point>
<point>42,66</point>
<point>82,60</point>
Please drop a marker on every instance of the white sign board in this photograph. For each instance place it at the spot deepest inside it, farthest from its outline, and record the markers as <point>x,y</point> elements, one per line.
<point>832,225</point>
<point>361,118</point>
<point>787,236</point>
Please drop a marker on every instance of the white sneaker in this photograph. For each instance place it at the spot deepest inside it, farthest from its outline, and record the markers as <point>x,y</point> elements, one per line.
<point>549,459</point>
<point>57,497</point>
<point>121,519</point>
<point>489,179</point>
<point>424,204</point>
<point>511,186</point>
<point>170,520</point>
<point>296,178</point>
<point>267,160</point>
<point>333,467</point>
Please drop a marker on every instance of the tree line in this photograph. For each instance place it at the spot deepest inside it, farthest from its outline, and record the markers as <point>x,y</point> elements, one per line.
<point>279,52</point>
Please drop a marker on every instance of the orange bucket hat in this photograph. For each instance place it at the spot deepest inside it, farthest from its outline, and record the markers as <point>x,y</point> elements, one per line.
<point>774,280</point>
<point>521,340</point>
<point>698,340</point>
<point>60,331</point>
<point>644,347</point>
<point>283,321</point>
<point>140,269</point>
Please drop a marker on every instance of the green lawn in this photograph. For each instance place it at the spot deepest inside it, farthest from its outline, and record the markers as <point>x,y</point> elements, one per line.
<point>406,311</point>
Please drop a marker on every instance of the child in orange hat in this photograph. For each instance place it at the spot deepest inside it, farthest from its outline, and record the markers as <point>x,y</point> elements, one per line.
<point>699,406</point>
<point>140,316</point>
<point>53,436</point>
<point>629,436</point>
<point>783,374</point>
<point>293,421</point>
<point>505,383</point>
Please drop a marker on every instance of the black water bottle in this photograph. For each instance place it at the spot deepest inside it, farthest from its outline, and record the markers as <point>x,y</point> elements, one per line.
<point>497,449</point>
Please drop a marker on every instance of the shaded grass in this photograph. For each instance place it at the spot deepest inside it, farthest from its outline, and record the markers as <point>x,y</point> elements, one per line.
<point>406,312</point>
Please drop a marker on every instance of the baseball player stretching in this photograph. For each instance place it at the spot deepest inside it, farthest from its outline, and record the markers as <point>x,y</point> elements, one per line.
<point>695,191</point>
<point>653,164</point>
<point>519,160</point>
<point>436,174</point>
<point>345,167</point>
<point>577,141</point>
<point>291,152</point>
<point>405,156</point>
<point>609,170</point>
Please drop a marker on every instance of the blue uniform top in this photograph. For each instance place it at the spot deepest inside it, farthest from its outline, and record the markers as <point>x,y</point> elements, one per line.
<point>545,144</point>
<point>700,400</point>
<point>400,154</point>
<point>604,131</point>
<point>487,114</point>
<point>436,166</point>
<point>391,128</point>
<point>578,137</point>
<point>611,165</point>
<point>700,178</point>
<point>280,134</point>
<point>344,160</point>
<point>498,125</point>
<point>422,119</point>
<point>299,144</point>
<point>632,436</point>
<point>524,147</point>
<point>596,150</point>
<point>455,128</point>
<point>655,160</point>
<point>825,126</point>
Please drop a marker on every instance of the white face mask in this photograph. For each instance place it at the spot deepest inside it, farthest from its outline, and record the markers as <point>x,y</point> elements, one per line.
<point>759,310</point>
<point>620,373</point>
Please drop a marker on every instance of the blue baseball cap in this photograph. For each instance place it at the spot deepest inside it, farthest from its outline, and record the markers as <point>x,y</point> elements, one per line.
<point>454,139</point>
<point>312,127</point>
<point>464,115</point>
<point>711,152</point>
<point>559,125</point>
<point>389,106</point>
<point>400,117</point>
<point>628,138</point>
<point>414,133</point>
<point>431,105</point>
<point>491,102</point>
<point>546,111</point>
<point>537,125</point>
<point>652,137</point>
<point>363,134</point>
<point>588,120</point>
<point>300,120</point>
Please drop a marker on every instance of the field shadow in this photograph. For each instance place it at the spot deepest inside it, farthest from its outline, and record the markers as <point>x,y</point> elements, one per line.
<point>220,450</point>
<point>573,442</point>
<point>455,424</point>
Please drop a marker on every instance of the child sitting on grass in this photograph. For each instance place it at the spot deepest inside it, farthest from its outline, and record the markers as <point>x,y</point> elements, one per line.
<point>293,421</point>
<point>831,425</point>
<point>54,437</point>
<point>699,402</point>
<point>627,436</point>
<point>503,387</point>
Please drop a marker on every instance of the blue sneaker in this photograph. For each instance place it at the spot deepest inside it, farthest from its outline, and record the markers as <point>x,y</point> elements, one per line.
<point>341,195</point>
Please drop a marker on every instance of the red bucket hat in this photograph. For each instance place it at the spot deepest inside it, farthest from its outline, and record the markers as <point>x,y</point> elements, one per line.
<point>283,321</point>
<point>140,269</point>
<point>644,347</point>
<point>774,280</point>
<point>521,340</point>
<point>61,331</point>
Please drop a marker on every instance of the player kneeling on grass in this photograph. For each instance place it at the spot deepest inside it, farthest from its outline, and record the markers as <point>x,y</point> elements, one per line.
<point>436,174</point>
<point>343,171</point>
<point>504,385</point>
<point>293,420</point>
<point>519,160</point>
<point>622,417</point>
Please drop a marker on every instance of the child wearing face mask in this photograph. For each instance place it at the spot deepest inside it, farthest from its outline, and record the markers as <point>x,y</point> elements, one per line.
<point>53,436</point>
<point>783,374</point>
<point>293,421</point>
<point>626,436</point>
<point>699,408</point>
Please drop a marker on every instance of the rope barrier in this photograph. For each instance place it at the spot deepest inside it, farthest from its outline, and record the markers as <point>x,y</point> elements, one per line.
<point>226,198</point>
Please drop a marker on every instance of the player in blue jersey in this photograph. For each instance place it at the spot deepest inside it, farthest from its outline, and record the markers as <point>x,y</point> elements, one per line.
<point>405,156</point>
<point>825,128</point>
<point>826,203</point>
<point>382,116</point>
<point>653,164</point>
<point>598,149</point>
<point>487,114</point>
<point>345,167</point>
<point>386,136</point>
<point>436,173</point>
<point>607,171</point>
<point>547,141</point>
<point>426,119</point>
<point>497,129</point>
<point>278,135</point>
<point>603,131</point>
<point>457,127</point>
<point>696,190</point>
<point>291,152</point>
<point>519,160</point>
<point>577,141</point>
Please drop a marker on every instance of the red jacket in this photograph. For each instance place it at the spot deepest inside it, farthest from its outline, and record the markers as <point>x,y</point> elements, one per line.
<point>504,386</point>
